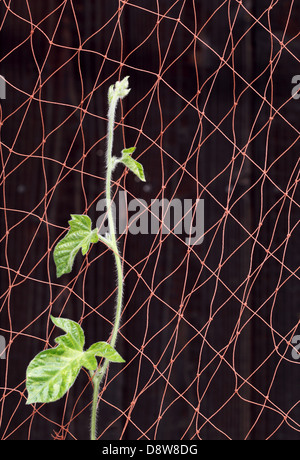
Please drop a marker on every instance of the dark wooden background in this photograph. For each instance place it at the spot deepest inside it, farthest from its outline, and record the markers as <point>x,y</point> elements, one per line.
<point>29,187</point>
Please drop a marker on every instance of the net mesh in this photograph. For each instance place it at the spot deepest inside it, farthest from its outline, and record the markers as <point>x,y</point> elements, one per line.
<point>209,331</point>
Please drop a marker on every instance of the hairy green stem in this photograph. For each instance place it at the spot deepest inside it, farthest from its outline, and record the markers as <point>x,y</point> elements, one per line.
<point>94,408</point>
<point>114,97</point>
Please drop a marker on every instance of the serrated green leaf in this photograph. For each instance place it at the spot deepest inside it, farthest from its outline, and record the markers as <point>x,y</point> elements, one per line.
<point>80,236</point>
<point>52,372</point>
<point>132,164</point>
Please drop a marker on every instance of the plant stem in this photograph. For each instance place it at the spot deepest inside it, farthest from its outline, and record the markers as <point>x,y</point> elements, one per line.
<point>94,408</point>
<point>114,97</point>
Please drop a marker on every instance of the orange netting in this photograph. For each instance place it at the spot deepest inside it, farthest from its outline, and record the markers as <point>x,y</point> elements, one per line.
<point>209,331</point>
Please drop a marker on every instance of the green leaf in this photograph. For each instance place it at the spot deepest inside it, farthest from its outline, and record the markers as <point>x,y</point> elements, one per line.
<point>103,350</point>
<point>130,151</point>
<point>119,90</point>
<point>52,372</point>
<point>80,236</point>
<point>74,337</point>
<point>132,164</point>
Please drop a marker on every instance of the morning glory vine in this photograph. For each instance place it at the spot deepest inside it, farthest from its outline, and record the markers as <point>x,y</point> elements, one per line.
<point>53,371</point>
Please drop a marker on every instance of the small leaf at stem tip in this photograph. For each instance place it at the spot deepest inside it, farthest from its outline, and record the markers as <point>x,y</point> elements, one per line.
<point>132,164</point>
<point>80,236</point>
<point>119,90</point>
